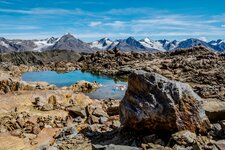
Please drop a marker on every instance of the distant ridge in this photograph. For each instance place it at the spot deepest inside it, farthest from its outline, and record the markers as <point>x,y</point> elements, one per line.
<point>69,42</point>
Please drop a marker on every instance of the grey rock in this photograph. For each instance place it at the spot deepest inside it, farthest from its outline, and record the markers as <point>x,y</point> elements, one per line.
<point>215,110</point>
<point>94,119</point>
<point>103,119</point>
<point>222,123</point>
<point>154,103</point>
<point>99,112</point>
<point>77,111</point>
<point>113,147</point>
<point>184,137</point>
<point>66,133</point>
<point>116,124</point>
<point>220,144</point>
<point>47,107</point>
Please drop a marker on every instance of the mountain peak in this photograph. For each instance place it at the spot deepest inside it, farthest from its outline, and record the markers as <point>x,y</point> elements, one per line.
<point>104,39</point>
<point>102,44</point>
<point>147,40</point>
<point>131,38</point>
<point>68,35</point>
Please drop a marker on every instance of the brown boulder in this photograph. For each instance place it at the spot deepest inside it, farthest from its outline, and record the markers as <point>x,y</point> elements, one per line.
<point>156,103</point>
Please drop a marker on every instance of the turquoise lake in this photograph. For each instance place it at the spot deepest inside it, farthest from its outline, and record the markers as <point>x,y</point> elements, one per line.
<point>111,88</point>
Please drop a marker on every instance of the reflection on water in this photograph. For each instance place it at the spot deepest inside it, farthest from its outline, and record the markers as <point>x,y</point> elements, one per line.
<point>111,88</point>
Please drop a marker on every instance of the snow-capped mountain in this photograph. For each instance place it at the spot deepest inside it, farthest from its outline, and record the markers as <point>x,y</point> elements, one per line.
<point>101,44</point>
<point>152,44</point>
<point>16,45</point>
<point>169,45</point>
<point>129,44</point>
<point>44,44</point>
<point>193,42</point>
<point>66,42</point>
<point>69,42</point>
<point>218,45</point>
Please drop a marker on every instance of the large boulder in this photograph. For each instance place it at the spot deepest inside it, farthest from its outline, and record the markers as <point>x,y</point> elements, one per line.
<point>154,103</point>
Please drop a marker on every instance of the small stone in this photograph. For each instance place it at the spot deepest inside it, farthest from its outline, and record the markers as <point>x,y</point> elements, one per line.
<point>116,124</point>
<point>94,119</point>
<point>222,123</point>
<point>215,110</point>
<point>113,110</point>
<point>100,112</point>
<point>103,119</point>
<point>216,130</point>
<point>184,137</point>
<point>52,100</point>
<point>38,101</point>
<point>113,147</point>
<point>78,119</point>
<point>21,122</point>
<point>77,111</point>
<point>149,138</point>
<point>36,130</point>
<point>33,142</point>
<point>178,147</point>
<point>47,107</point>
<point>17,132</point>
<point>217,127</point>
<point>30,136</point>
<point>66,133</point>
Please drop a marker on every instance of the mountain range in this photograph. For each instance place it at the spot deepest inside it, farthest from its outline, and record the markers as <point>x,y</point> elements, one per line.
<point>69,42</point>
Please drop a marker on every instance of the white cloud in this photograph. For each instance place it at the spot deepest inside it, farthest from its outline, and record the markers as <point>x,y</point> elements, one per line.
<point>116,24</point>
<point>45,11</point>
<point>143,22</point>
<point>134,11</point>
<point>7,26</point>
<point>95,23</point>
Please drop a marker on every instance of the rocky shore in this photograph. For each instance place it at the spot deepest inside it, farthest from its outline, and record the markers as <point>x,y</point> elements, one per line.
<point>175,100</point>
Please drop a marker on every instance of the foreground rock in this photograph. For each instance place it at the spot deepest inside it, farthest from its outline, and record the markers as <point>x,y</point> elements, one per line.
<point>156,103</point>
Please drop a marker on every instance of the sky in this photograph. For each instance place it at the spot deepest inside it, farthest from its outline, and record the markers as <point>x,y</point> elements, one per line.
<point>91,20</point>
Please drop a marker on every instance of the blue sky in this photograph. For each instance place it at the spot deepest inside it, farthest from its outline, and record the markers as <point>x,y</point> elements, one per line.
<point>93,19</point>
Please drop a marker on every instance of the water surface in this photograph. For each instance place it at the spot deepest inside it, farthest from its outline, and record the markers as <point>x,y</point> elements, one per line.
<point>111,88</point>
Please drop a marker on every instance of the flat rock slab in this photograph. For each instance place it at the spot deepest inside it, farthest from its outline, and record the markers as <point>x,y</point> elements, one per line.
<point>215,110</point>
<point>114,147</point>
<point>9,142</point>
<point>45,138</point>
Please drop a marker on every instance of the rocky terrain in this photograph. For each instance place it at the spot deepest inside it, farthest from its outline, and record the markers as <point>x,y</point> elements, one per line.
<point>174,100</point>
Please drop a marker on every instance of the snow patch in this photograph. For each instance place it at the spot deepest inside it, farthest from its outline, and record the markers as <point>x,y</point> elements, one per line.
<point>148,43</point>
<point>42,44</point>
<point>102,44</point>
<point>4,44</point>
